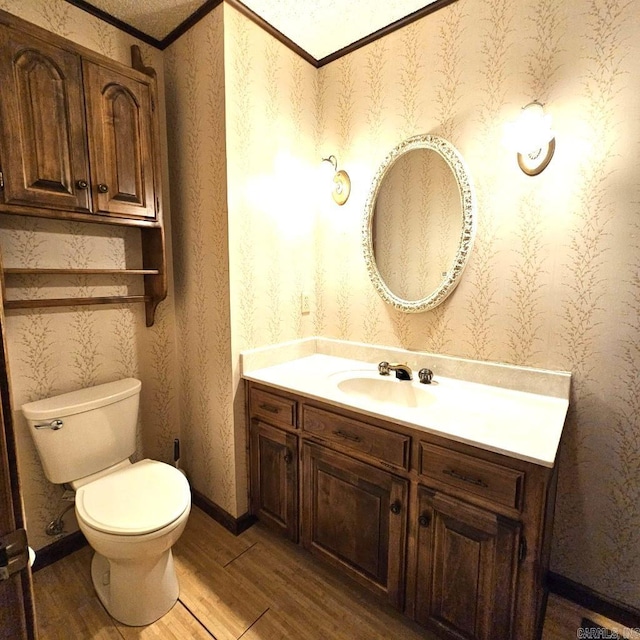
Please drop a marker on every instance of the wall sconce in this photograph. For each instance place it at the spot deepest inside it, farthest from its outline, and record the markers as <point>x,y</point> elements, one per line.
<point>341,182</point>
<point>532,138</point>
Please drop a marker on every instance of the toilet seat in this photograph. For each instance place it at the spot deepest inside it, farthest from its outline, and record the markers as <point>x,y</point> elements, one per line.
<point>141,498</point>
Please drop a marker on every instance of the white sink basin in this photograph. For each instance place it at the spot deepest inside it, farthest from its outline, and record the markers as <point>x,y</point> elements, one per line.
<point>387,390</point>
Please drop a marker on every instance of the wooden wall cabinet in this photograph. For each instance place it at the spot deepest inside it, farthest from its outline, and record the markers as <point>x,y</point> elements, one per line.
<point>456,537</point>
<point>44,154</point>
<point>79,140</point>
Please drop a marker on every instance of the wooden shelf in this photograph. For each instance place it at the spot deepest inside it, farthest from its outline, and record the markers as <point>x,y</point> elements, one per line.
<point>72,302</point>
<point>60,272</point>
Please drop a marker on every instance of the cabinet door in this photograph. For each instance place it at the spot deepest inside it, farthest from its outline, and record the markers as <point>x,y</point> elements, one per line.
<point>467,568</point>
<point>274,478</point>
<point>354,515</point>
<point>119,120</point>
<point>43,150</point>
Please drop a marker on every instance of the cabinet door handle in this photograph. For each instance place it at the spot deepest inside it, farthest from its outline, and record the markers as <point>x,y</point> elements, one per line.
<point>288,457</point>
<point>269,407</point>
<point>103,188</point>
<point>396,507</point>
<point>347,436</point>
<point>459,476</point>
<point>424,520</point>
<point>82,184</point>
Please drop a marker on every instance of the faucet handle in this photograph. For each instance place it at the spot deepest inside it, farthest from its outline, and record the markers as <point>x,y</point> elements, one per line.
<point>383,368</point>
<point>425,376</point>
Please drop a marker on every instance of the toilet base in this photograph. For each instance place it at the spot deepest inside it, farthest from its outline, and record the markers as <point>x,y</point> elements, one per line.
<point>136,593</point>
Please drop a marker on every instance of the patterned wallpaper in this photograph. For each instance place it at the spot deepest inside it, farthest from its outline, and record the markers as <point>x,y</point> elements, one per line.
<point>243,244</point>
<point>195,106</point>
<point>553,277</point>
<point>553,280</point>
<point>58,350</point>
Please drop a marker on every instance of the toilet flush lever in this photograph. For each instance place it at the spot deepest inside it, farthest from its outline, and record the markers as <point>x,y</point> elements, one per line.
<point>54,425</point>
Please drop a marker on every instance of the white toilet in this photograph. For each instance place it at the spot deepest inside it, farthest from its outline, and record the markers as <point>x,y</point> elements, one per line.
<point>131,514</point>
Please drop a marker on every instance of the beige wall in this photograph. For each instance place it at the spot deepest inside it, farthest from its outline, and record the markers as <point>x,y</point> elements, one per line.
<point>242,167</point>
<point>58,350</point>
<point>552,281</point>
<point>195,105</point>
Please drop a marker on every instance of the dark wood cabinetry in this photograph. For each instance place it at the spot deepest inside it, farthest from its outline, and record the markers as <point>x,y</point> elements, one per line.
<point>77,135</point>
<point>467,568</point>
<point>355,516</point>
<point>456,537</point>
<point>119,119</point>
<point>274,478</point>
<point>44,155</point>
<point>79,140</point>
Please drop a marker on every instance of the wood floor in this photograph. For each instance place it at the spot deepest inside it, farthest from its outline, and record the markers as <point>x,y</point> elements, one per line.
<point>254,586</point>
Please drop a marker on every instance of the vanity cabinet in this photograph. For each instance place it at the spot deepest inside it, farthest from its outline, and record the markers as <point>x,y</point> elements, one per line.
<point>273,447</point>
<point>467,568</point>
<point>274,478</point>
<point>455,536</point>
<point>354,515</point>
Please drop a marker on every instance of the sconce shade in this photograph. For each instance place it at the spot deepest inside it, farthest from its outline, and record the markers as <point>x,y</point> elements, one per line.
<point>341,182</point>
<point>342,187</point>
<point>532,138</point>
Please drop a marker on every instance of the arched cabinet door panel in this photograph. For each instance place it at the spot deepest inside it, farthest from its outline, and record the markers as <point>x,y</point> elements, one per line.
<point>119,116</point>
<point>43,152</point>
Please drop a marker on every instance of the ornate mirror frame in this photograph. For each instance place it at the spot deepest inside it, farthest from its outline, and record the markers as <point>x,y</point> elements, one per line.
<point>468,206</point>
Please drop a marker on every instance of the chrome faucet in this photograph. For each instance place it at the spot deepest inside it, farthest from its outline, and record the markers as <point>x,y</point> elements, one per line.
<point>403,371</point>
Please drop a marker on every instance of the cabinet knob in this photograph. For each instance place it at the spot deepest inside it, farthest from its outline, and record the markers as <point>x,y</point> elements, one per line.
<point>103,188</point>
<point>423,520</point>
<point>396,507</point>
<point>288,457</point>
<point>82,184</point>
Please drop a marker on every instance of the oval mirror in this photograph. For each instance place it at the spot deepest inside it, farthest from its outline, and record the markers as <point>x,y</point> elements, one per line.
<point>419,225</point>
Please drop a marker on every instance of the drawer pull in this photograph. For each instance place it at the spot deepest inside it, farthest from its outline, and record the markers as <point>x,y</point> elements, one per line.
<point>458,476</point>
<point>269,407</point>
<point>347,436</point>
<point>424,520</point>
<point>288,457</point>
<point>395,507</point>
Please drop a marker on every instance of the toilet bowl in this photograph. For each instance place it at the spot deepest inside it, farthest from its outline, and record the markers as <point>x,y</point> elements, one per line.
<point>131,518</point>
<point>130,513</point>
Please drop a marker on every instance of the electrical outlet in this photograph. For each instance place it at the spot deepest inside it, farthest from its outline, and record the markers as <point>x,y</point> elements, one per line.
<point>305,304</point>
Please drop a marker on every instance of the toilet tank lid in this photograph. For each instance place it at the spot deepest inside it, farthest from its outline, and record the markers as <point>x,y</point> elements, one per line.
<point>81,400</point>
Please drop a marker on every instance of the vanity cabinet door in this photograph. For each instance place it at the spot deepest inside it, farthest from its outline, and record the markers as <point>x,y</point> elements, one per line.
<point>43,149</point>
<point>467,562</point>
<point>120,130</point>
<point>274,478</point>
<point>354,515</point>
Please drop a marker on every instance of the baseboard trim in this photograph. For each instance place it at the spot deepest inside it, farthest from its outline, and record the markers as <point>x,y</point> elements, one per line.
<point>594,601</point>
<point>76,540</point>
<point>58,550</point>
<point>235,525</point>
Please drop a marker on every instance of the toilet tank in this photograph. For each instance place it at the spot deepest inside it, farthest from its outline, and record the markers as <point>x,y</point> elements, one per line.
<point>96,428</point>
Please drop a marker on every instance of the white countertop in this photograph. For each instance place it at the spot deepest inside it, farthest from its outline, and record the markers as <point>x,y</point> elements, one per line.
<point>519,424</point>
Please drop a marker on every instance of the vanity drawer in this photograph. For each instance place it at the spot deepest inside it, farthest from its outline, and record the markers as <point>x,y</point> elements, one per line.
<point>388,447</point>
<point>494,482</point>
<point>272,408</point>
